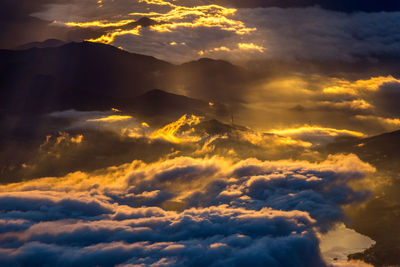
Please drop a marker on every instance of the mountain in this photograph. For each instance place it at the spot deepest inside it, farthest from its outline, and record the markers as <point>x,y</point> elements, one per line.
<point>382,151</point>
<point>86,76</point>
<point>93,76</point>
<point>156,107</point>
<point>143,22</point>
<point>382,212</point>
<point>159,107</point>
<point>218,79</point>
<point>156,102</point>
<point>45,44</point>
<point>97,77</point>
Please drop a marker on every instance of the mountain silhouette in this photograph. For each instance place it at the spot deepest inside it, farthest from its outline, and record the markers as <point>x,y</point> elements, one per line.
<point>84,76</point>
<point>160,107</point>
<point>93,76</point>
<point>45,44</point>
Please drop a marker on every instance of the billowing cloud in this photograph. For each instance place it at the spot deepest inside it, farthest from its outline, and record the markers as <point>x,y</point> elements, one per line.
<point>244,212</point>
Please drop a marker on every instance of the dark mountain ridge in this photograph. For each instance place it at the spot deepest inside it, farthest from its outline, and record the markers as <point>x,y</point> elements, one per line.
<point>45,44</point>
<point>76,75</point>
<point>93,76</point>
<point>159,107</point>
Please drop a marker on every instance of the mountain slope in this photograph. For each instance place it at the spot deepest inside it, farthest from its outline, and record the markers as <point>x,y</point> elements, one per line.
<point>159,107</point>
<point>76,75</point>
<point>383,151</point>
<point>92,76</point>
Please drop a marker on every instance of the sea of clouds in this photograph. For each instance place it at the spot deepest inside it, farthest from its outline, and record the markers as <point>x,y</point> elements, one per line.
<point>183,211</point>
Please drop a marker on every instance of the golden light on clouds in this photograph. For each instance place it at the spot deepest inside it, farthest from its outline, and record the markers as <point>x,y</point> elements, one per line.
<point>100,24</point>
<point>77,139</point>
<point>171,133</point>
<point>110,37</point>
<point>112,118</point>
<point>240,47</point>
<point>316,130</point>
<point>194,17</point>
<point>157,2</point>
<point>251,46</point>
<point>209,16</point>
<point>348,87</point>
<point>357,104</point>
<point>269,142</point>
<point>391,123</point>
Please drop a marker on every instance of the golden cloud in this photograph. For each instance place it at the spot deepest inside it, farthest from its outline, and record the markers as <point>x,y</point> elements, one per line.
<point>315,134</point>
<point>209,16</point>
<point>348,87</point>
<point>240,47</point>
<point>112,118</point>
<point>389,123</point>
<point>171,132</point>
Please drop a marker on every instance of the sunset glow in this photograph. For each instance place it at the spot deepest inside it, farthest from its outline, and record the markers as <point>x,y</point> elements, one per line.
<point>199,133</point>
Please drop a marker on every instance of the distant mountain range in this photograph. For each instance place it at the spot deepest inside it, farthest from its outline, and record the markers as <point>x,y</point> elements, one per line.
<point>92,76</point>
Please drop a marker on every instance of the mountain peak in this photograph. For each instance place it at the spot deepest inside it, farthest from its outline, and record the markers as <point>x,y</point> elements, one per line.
<point>45,44</point>
<point>146,22</point>
<point>157,92</point>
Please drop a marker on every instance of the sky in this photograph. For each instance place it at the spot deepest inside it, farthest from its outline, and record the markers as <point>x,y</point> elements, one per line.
<point>251,181</point>
<point>185,30</point>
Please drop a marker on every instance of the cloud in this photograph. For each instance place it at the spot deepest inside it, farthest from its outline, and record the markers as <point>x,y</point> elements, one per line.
<point>241,47</point>
<point>18,26</point>
<point>390,124</point>
<point>112,118</point>
<point>325,101</point>
<point>285,32</point>
<point>229,212</point>
<point>386,99</point>
<point>317,135</point>
<point>339,5</point>
<point>339,36</point>
<point>357,87</point>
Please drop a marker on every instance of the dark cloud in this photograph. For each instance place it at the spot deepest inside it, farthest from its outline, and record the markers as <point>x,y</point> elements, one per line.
<point>387,99</point>
<point>337,5</point>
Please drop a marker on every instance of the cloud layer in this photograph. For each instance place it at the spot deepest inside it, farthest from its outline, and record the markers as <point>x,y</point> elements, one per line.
<point>183,212</point>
